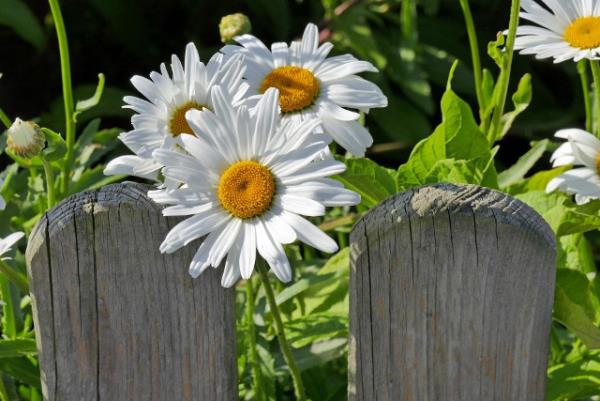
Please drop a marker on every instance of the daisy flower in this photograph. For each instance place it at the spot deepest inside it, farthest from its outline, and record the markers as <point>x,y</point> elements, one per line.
<point>563,30</point>
<point>7,243</point>
<point>581,149</point>
<point>159,122</point>
<point>247,181</point>
<point>311,85</point>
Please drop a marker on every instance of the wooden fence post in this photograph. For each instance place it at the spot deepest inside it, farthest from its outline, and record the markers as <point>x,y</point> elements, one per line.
<point>116,320</point>
<point>451,291</point>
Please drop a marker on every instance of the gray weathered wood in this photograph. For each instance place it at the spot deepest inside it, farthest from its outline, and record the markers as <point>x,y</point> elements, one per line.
<point>451,298</point>
<point>116,320</point>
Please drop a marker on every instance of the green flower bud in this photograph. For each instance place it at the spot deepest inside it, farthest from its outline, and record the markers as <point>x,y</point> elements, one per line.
<point>25,139</point>
<point>234,25</point>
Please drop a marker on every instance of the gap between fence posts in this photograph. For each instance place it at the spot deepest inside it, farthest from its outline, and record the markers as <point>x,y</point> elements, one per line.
<point>451,293</point>
<point>115,320</point>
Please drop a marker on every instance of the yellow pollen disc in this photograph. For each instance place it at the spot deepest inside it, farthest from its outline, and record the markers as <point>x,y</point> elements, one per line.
<point>178,124</point>
<point>598,163</point>
<point>584,33</point>
<point>298,87</point>
<point>246,189</point>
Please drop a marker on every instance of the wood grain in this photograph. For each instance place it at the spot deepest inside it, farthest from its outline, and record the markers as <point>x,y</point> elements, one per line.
<point>115,320</point>
<point>451,291</point>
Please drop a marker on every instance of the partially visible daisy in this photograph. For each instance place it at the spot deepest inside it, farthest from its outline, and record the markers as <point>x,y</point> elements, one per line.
<point>581,149</point>
<point>159,122</point>
<point>248,180</point>
<point>563,30</point>
<point>7,243</point>
<point>311,85</point>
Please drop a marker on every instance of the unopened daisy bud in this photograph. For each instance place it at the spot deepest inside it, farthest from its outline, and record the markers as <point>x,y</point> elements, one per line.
<point>234,25</point>
<point>25,139</point>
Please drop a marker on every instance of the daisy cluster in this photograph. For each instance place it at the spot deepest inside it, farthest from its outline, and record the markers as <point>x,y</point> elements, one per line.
<point>567,30</point>
<point>241,146</point>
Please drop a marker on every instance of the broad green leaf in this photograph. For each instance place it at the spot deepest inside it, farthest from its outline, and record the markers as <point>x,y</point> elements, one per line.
<point>21,369</point>
<point>575,306</point>
<point>316,327</point>
<point>525,163</point>
<point>373,182</point>
<point>575,253</point>
<point>17,347</point>
<point>17,15</point>
<point>578,379</point>
<point>562,214</point>
<point>83,105</point>
<point>537,182</point>
<point>56,146</point>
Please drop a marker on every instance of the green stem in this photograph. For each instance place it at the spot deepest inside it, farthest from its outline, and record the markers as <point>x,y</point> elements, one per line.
<point>596,74</point>
<point>475,56</point>
<point>14,277</point>
<point>5,119</point>
<point>283,343</point>
<point>50,184</point>
<point>408,16</point>
<point>67,86</point>
<point>9,324</point>
<point>504,79</point>
<point>585,86</point>
<point>252,351</point>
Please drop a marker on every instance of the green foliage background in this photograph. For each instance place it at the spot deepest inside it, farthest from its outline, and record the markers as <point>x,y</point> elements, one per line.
<point>415,46</point>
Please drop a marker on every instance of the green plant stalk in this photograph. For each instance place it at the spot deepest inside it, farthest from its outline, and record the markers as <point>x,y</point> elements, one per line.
<point>14,277</point>
<point>279,328</point>
<point>67,86</point>
<point>475,56</point>
<point>596,75</point>
<point>408,16</point>
<point>5,119</point>
<point>4,396</point>
<point>252,352</point>
<point>9,324</point>
<point>504,79</point>
<point>585,86</point>
<point>50,184</point>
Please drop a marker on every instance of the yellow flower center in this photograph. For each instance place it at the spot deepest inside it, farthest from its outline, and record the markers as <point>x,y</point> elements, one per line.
<point>246,189</point>
<point>298,87</point>
<point>178,123</point>
<point>598,163</point>
<point>584,33</point>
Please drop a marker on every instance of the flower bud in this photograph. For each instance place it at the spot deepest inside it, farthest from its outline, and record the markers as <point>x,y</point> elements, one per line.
<point>25,139</point>
<point>234,25</point>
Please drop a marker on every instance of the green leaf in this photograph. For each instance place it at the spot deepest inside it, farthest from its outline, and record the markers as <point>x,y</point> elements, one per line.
<point>496,50</point>
<point>575,253</point>
<point>578,379</point>
<point>84,105</point>
<point>56,147</point>
<point>21,369</point>
<point>525,163</point>
<point>521,100</point>
<point>373,182</point>
<point>575,305</point>
<point>17,15</point>
<point>17,347</point>
<point>562,214</point>
<point>316,327</point>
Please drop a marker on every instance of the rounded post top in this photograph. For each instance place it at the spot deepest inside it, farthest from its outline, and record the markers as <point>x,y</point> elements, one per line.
<point>431,200</point>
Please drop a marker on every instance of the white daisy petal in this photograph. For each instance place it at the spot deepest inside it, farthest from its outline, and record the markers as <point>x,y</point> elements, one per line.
<point>309,233</point>
<point>350,134</point>
<point>248,250</point>
<point>273,253</point>
<point>8,242</point>
<point>132,165</point>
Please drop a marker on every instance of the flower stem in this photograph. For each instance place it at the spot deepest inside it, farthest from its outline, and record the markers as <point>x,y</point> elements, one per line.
<point>5,119</point>
<point>408,17</point>
<point>283,343</point>
<point>475,56</point>
<point>67,86</point>
<point>252,353</point>
<point>596,74</point>
<point>49,183</point>
<point>585,86</point>
<point>504,78</point>
<point>17,278</point>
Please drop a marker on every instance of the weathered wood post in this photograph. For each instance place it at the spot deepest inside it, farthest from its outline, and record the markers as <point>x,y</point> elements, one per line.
<point>116,320</point>
<point>451,298</point>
